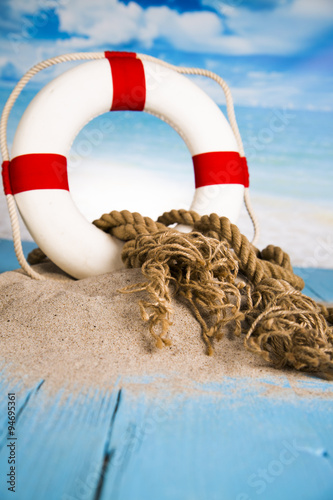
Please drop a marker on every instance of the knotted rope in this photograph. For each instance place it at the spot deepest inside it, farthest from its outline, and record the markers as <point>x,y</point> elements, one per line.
<point>227,283</point>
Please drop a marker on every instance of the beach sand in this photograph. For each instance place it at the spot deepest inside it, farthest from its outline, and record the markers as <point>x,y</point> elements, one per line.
<point>86,333</point>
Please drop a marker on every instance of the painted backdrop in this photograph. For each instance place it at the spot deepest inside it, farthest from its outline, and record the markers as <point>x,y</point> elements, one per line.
<point>277,57</point>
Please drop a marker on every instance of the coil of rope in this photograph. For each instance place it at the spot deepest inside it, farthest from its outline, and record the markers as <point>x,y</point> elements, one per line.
<point>203,268</point>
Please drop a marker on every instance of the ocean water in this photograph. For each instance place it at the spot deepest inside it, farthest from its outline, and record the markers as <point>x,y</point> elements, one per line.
<point>289,152</point>
<point>128,160</point>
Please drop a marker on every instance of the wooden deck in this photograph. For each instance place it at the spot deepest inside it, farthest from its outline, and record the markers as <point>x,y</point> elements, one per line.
<point>241,439</point>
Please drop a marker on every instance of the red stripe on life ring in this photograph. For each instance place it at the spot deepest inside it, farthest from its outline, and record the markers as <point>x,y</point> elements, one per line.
<point>220,167</point>
<point>5,178</point>
<point>129,82</point>
<point>38,171</point>
<point>113,53</point>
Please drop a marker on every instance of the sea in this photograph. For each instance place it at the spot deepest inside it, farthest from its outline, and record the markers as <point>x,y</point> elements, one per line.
<point>129,160</point>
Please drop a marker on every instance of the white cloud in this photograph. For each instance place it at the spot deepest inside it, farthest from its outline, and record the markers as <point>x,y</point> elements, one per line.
<point>290,27</point>
<point>270,93</point>
<point>268,96</point>
<point>261,75</point>
<point>102,21</point>
<point>113,23</point>
<point>287,29</point>
<point>272,89</point>
<point>108,24</point>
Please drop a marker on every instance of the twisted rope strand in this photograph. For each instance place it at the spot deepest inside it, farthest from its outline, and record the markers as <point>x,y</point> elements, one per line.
<point>280,324</point>
<point>285,327</point>
<point>273,262</point>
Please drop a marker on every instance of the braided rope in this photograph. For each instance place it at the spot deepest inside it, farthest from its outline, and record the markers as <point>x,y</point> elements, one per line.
<point>272,262</point>
<point>283,326</point>
<point>204,266</point>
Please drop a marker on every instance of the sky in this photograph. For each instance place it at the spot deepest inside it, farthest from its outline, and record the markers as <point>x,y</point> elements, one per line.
<point>273,53</point>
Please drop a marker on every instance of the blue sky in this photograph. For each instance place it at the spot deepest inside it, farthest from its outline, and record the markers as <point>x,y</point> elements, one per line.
<point>271,52</point>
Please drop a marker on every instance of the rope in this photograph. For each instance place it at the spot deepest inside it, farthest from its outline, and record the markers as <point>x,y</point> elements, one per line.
<point>79,56</point>
<point>272,262</point>
<point>204,268</point>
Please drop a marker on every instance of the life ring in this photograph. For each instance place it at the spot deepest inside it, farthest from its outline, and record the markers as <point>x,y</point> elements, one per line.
<point>37,173</point>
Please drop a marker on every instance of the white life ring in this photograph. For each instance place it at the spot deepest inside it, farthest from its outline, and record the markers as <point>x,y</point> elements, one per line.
<point>38,169</point>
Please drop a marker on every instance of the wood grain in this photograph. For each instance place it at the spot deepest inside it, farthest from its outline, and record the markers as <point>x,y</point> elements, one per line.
<point>240,439</point>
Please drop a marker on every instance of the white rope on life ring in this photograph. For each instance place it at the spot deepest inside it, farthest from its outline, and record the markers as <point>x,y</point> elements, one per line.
<point>36,176</point>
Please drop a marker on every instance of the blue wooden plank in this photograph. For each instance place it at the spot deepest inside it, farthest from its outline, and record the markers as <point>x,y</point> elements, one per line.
<point>60,446</point>
<point>232,441</point>
<point>213,448</point>
<point>23,395</point>
<point>8,260</point>
<point>238,439</point>
<point>319,282</point>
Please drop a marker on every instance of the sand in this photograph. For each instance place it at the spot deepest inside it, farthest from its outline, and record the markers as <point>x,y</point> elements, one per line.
<point>85,333</point>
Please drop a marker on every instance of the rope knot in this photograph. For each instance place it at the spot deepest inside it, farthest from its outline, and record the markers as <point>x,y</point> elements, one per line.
<point>192,266</point>
<point>227,283</point>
